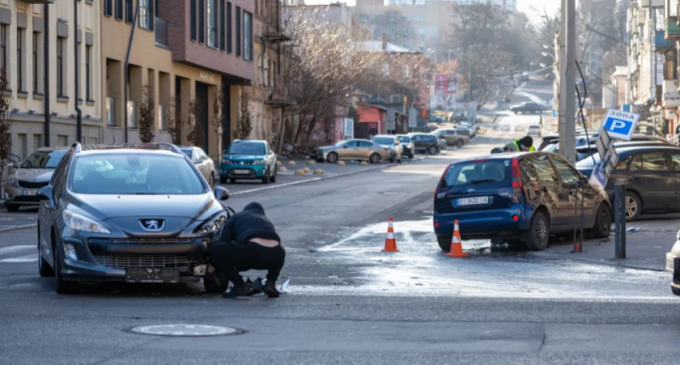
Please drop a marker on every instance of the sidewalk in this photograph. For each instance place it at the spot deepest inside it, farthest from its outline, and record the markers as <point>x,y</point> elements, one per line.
<point>645,249</point>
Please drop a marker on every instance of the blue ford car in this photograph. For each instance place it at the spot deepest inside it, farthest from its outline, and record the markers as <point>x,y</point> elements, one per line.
<point>248,160</point>
<point>517,196</point>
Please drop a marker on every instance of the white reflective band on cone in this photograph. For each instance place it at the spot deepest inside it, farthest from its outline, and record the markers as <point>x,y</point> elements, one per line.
<point>390,235</point>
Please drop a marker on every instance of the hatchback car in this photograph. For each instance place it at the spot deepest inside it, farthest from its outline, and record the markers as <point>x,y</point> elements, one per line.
<point>407,143</point>
<point>425,143</point>
<point>248,160</point>
<point>466,130</point>
<point>393,145</point>
<point>652,173</point>
<point>204,163</point>
<point>127,213</point>
<point>528,108</point>
<point>452,137</point>
<point>32,174</point>
<point>353,149</point>
<point>526,196</point>
<point>534,130</point>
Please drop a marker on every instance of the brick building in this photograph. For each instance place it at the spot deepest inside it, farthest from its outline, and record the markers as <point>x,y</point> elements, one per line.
<point>185,51</point>
<point>22,40</point>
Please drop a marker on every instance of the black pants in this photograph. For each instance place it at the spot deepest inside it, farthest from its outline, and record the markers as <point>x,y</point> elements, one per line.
<point>229,258</point>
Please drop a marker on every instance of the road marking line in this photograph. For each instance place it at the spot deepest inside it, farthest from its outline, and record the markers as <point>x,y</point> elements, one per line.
<point>22,259</point>
<point>11,249</point>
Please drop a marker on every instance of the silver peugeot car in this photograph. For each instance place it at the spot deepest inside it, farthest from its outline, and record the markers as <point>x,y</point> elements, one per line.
<point>32,174</point>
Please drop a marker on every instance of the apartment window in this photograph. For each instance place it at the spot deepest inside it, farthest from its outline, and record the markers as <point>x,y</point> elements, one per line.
<point>20,60</point>
<point>193,19</point>
<point>60,66</point>
<point>212,23</point>
<point>222,25</point>
<point>3,47</point>
<point>247,36</point>
<point>88,72</point>
<point>36,62</point>
<point>238,31</point>
<point>229,28</point>
<point>201,21</point>
<point>129,16</point>
<point>146,14</point>
<point>108,7</point>
<point>119,9</point>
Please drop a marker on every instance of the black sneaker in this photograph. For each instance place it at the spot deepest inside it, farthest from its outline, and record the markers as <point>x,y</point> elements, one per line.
<point>270,289</point>
<point>238,291</point>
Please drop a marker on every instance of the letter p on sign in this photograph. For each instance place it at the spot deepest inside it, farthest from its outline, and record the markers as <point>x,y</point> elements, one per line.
<point>620,125</point>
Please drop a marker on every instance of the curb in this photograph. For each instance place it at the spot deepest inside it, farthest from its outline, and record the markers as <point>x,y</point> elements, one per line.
<point>16,228</point>
<point>322,178</point>
<point>603,262</point>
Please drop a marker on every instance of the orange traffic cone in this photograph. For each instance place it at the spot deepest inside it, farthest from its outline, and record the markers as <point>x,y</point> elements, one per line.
<point>456,245</point>
<point>390,242</point>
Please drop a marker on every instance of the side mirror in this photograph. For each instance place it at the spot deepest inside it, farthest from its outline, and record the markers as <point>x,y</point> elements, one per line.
<point>46,193</point>
<point>221,193</point>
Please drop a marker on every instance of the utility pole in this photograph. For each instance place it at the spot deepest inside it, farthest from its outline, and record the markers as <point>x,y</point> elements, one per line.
<point>567,80</point>
<point>79,113</point>
<point>46,72</point>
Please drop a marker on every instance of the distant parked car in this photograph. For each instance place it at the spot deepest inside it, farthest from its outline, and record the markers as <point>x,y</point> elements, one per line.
<point>673,265</point>
<point>353,149</point>
<point>393,145</point>
<point>466,130</point>
<point>528,108</point>
<point>526,196</point>
<point>452,137</point>
<point>407,143</point>
<point>460,117</point>
<point>583,152</point>
<point>248,160</point>
<point>652,172</point>
<point>204,163</point>
<point>425,143</point>
<point>534,130</point>
<point>648,129</point>
<point>34,173</point>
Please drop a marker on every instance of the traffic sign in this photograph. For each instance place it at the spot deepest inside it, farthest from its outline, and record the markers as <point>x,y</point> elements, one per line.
<point>602,144</point>
<point>555,115</point>
<point>619,124</point>
<point>598,177</point>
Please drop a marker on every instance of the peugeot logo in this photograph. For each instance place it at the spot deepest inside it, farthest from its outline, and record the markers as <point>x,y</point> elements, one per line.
<point>152,225</point>
<point>471,191</point>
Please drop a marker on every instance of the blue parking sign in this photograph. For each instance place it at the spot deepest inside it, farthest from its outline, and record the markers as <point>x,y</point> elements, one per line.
<point>599,177</point>
<point>620,124</point>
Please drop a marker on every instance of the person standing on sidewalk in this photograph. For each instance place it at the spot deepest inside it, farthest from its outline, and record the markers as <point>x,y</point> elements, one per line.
<point>248,242</point>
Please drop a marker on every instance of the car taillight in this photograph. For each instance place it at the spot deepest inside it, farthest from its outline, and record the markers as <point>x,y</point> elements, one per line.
<point>436,190</point>
<point>516,182</point>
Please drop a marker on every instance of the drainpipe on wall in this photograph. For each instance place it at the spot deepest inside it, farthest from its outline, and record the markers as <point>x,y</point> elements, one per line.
<point>46,67</point>
<point>127,71</point>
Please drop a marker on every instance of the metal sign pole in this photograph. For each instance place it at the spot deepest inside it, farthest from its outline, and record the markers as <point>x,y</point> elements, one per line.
<point>620,226</point>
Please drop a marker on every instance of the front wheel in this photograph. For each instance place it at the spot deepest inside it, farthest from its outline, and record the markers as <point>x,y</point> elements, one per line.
<point>12,207</point>
<point>332,157</point>
<point>223,180</point>
<point>44,268</point>
<point>375,158</point>
<point>603,222</point>
<point>538,234</point>
<point>266,179</point>
<point>412,156</point>
<point>211,180</point>
<point>61,286</point>
<point>432,150</point>
<point>460,144</point>
<point>213,285</point>
<point>273,179</point>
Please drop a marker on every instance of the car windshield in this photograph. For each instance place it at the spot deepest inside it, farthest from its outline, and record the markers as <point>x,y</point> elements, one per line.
<point>478,172</point>
<point>384,140</point>
<point>43,160</point>
<point>404,139</point>
<point>186,151</point>
<point>552,147</point>
<point>139,174</point>
<point>589,163</point>
<point>247,149</point>
<point>533,127</point>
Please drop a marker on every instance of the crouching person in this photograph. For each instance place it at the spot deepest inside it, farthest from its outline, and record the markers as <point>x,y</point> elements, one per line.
<point>248,242</point>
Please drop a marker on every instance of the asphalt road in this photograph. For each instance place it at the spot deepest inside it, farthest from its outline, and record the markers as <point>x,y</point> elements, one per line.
<point>347,302</point>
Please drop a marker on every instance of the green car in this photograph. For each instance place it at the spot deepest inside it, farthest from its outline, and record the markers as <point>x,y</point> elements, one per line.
<point>248,160</point>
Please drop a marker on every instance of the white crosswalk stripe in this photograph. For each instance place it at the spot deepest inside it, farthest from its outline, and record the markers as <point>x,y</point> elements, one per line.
<point>18,254</point>
<point>21,259</point>
<point>12,249</point>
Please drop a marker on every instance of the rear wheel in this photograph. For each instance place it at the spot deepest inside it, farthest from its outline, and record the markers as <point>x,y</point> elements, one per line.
<point>432,150</point>
<point>12,207</point>
<point>444,243</point>
<point>603,222</point>
<point>536,237</point>
<point>375,158</point>
<point>332,157</point>
<point>412,156</point>
<point>633,206</point>
<point>460,143</point>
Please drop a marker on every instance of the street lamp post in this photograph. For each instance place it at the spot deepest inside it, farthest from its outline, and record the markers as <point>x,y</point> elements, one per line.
<point>79,117</point>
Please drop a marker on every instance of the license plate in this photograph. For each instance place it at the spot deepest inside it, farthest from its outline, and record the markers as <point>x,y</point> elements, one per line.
<point>29,192</point>
<point>242,172</point>
<point>474,201</point>
<point>151,275</point>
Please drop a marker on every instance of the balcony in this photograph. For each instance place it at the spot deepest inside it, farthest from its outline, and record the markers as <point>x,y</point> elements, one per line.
<point>672,28</point>
<point>161,32</point>
<point>659,42</point>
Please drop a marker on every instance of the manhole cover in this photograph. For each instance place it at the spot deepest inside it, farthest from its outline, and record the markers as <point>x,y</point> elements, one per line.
<point>185,330</point>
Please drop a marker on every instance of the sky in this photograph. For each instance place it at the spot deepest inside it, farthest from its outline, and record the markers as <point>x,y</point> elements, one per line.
<point>552,6</point>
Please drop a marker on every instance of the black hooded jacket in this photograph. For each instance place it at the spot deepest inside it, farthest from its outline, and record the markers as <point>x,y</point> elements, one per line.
<point>248,224</point>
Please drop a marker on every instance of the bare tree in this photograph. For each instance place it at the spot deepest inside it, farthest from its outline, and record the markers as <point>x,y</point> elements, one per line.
<point>483,67</point>
<point>393,24</point>
<point>196,134</point>
<point>147,116</point>
<point>174,120</point>
<point>6,118</point>
<point>244,126</point>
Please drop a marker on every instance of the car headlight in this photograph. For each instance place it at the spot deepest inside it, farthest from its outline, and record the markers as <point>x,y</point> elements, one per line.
<point>213,224</point>
<point>79,223</point>
<point>13,181</point>
<point>261,162</point>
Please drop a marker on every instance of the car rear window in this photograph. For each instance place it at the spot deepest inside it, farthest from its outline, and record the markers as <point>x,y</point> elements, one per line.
<point>384,140</point>
<point>478,173</point>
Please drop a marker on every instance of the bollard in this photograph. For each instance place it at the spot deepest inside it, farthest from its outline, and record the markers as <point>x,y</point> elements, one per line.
<point>620,222</point>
